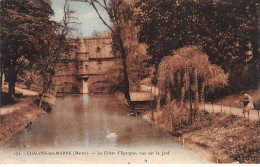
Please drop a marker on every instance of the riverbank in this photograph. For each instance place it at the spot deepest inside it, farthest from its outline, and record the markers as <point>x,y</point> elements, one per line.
<point>18,114</point>
<point>121,98</point>
<point>18,119</point>
<point>218,138</point>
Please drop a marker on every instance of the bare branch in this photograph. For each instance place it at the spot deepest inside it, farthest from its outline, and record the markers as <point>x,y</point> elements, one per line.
<point>100,4</point>
<point>91,2</point>
<point>105,2</point>
<point>69,20</point>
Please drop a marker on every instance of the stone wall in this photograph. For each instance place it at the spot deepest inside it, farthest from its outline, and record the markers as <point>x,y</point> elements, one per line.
<point>93,57</point>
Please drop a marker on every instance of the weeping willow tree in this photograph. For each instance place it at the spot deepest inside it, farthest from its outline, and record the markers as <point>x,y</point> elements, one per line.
<point>186,76</point>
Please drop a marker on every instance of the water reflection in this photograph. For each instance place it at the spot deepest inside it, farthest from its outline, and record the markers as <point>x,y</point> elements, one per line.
<point>84,121</point>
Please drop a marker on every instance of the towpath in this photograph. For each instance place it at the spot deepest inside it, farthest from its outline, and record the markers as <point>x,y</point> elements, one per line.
<point>253,114</point>
<point>17,106</point>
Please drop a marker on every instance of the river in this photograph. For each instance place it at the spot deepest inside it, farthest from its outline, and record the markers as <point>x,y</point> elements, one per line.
<point>93,129</point>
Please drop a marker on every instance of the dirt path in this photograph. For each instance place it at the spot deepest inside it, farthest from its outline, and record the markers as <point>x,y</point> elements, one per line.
<point>25,92</point>
<point>253,114</point>
<point>17,106</point>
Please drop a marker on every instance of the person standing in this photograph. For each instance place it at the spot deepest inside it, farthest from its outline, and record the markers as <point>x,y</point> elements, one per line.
<point>247,103</point>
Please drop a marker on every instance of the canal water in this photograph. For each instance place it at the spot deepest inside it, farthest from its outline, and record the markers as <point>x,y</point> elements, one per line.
<point>93,129</point>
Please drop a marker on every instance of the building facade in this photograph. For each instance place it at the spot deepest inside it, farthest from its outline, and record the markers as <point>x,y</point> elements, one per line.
<point>92,57</point>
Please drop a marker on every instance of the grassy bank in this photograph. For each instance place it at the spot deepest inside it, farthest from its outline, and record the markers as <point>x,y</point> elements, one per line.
<point>218,137</point>
<point>228,137</point>
<point>13,122</point>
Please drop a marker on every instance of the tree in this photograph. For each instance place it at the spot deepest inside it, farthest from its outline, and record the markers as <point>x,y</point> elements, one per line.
<point>22,24</point>
<point>186,75</point>
<point>96,34</point>
<point>56,48</point>
<point>118,12</point>
<point>222,28</point>
<point>138,65</point>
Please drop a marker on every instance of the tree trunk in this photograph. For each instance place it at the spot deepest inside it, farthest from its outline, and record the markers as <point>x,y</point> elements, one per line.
<point>168,97</point>
<point>182,96</point>
<point>45,87</point>
<point>202,92</point>
<point>1,79</point>
<point>196,90</point>
<point>40,101</point>
<point>45,90</point>
<point>125,81</point>
<point>11,90</point>
<point>196,96</point>
<point>255,33</point>
<point>11,79</point>
<point>1,88</point>
<point>190,91</point>
<point>183,89</point>
<point>158,102</point>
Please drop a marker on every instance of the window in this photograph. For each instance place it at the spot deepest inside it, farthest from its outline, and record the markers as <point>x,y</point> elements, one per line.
<point>99,62</point>
<point>98,49</point>
<point>86,67</point>
<point>80,64</point>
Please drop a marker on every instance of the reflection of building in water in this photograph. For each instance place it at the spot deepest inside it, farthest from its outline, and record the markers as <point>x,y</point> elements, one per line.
<point>93,57</point>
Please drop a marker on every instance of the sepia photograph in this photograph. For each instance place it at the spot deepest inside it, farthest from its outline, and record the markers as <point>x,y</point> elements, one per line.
<point>130,82</point>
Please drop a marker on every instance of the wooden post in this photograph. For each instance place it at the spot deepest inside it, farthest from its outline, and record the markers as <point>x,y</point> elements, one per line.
<point>152,118</point>
<point>1,119</point>
<point>258,115</point>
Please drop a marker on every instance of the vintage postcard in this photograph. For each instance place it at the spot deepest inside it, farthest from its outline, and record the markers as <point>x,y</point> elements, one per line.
<point>130,82</point>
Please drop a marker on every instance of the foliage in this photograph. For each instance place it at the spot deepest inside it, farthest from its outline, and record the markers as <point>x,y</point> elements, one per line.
<point>113,9</point>
<point>228,31</point>
<point>138,65</point>
<point>186,75</point>
<point>96,34</point>
<point>22,24</point>
<point>115,76</point>
<point>137,58</point>
<point>56,48</point>
<point>138,69</point>
<point>31,41</point>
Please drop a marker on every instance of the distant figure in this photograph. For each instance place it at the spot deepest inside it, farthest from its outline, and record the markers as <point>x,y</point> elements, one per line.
<point>247,102</point>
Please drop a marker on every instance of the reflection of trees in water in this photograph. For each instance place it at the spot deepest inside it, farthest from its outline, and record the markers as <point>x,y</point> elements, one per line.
<point>74,124</point>
<point>68,87</point>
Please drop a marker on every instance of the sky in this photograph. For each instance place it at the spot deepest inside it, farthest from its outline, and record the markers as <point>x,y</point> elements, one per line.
<point>88,18</point>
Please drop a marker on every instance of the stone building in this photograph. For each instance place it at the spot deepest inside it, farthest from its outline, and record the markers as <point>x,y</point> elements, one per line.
<point>92,57</point>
